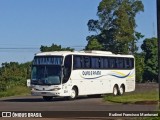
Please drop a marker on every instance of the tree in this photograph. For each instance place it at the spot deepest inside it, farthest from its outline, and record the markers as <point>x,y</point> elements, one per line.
<point>54,47</point>
<point>150,49</point>
<point>139,60</point>
<point>115,28</point>
<point>93,44</point>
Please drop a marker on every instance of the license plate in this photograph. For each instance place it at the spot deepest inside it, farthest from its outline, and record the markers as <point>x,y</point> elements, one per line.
<point>43,92</point>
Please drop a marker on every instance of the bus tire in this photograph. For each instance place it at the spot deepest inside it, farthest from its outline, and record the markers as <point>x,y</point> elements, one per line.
<point>47,98</point>
<point>115,90</point>
<point>74,93</point>
<point>121,90</point>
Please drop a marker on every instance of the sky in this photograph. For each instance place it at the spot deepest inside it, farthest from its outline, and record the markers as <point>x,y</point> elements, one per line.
<point>32,23</point>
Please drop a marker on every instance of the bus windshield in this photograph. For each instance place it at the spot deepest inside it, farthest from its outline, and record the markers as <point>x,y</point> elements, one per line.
<point>46,75</point>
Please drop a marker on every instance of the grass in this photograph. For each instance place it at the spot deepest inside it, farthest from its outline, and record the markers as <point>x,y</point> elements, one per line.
<point>17,90</point>
<point>134,97</point>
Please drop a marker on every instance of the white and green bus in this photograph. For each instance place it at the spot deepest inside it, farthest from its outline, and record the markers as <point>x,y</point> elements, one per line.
<point>79,73</point>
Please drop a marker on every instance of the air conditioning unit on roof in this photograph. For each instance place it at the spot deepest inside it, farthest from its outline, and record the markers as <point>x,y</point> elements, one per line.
<point>98,52</point>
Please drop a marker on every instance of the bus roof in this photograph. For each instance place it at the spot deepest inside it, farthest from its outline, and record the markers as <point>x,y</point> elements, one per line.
<point>93,52</point>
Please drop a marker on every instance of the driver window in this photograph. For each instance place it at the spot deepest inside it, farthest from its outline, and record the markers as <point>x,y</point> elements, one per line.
<point>67,68</point>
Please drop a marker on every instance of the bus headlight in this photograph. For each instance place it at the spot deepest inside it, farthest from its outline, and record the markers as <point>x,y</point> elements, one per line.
<point>34,89</point>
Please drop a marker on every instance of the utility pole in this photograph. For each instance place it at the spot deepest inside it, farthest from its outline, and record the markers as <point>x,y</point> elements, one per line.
<point>158,35</point>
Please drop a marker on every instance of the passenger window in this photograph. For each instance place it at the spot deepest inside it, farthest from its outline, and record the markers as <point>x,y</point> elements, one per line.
<point>87,63</point>
<point>120,63</point>
<point>112,62</point>
<point>95,62</point>
<point>131,63</point>
<point>77,62</point>
<point>105,63</point>
<point>126,63</point>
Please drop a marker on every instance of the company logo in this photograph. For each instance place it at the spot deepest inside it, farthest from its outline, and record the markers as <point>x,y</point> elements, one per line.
<point>6,114</point>
<point>21,114</point>
<point>98,74</point>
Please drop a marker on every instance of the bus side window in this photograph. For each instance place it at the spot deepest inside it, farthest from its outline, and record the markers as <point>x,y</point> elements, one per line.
<point>126,61</point>
<point>95,61</point>
<point>120,63</point>
<point>131,63</point>
<point>77,62</point>
<point>87,62</point>
<point>112,63</point>
<point>105,62</point>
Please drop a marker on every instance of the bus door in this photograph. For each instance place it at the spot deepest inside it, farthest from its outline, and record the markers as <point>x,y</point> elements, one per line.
<point>66,74</point>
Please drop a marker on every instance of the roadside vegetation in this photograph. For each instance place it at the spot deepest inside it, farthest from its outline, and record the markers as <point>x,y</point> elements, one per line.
<point>146,97</point>
<point>14,91</point>
<point>13,78</point>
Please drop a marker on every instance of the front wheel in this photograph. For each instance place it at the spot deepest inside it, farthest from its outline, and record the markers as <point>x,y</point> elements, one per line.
<point>74,94</point>
<point>47,98</point>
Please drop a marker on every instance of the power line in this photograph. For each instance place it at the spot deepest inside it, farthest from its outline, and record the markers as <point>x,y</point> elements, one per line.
<point>18,48</point>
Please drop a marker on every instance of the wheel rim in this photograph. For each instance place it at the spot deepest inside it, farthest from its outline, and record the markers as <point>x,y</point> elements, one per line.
<point>115,91</point>
<point>73,94</point>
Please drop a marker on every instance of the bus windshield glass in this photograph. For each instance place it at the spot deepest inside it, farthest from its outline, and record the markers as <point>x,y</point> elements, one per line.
<point>46,75</point>
<point>47,60</point>
<point>46,70</point>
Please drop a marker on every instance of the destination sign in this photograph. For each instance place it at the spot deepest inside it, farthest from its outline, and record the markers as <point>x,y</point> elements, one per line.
<point>47,60</point>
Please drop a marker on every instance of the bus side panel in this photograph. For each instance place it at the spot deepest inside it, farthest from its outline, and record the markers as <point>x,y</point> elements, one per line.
<point>89,83</point>
<point>130,81</point>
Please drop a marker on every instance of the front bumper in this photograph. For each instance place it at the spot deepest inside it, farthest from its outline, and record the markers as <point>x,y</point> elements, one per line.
<point>45,93</point>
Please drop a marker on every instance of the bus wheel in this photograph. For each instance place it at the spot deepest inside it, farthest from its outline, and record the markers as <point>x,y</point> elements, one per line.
<point>47,98</point>
<point>73,94</point>
<point>115,90</point>
<point>121,90</point>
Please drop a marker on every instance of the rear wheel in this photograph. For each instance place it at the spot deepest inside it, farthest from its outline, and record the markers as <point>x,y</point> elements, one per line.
<point>47,98</point>
<point>121,90</point>
<point>115,90</point>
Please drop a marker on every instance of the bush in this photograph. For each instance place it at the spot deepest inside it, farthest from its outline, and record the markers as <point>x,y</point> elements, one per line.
<point>15,90</point>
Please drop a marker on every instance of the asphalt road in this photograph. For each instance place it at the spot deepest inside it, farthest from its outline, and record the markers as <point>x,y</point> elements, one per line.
<point>34,103</point>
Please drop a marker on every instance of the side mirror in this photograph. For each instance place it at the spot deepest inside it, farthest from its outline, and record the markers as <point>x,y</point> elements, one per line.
<point>28,83</point>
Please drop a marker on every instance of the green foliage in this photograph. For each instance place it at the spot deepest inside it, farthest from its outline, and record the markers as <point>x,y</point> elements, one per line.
<point>150,48</point>
<point>151,95</point>
<point>16,90</point>
<point>115,28</point>
<point>54,47</point>
<point>139,60</point>
<point>93,44</point>
<point>14,74</point>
